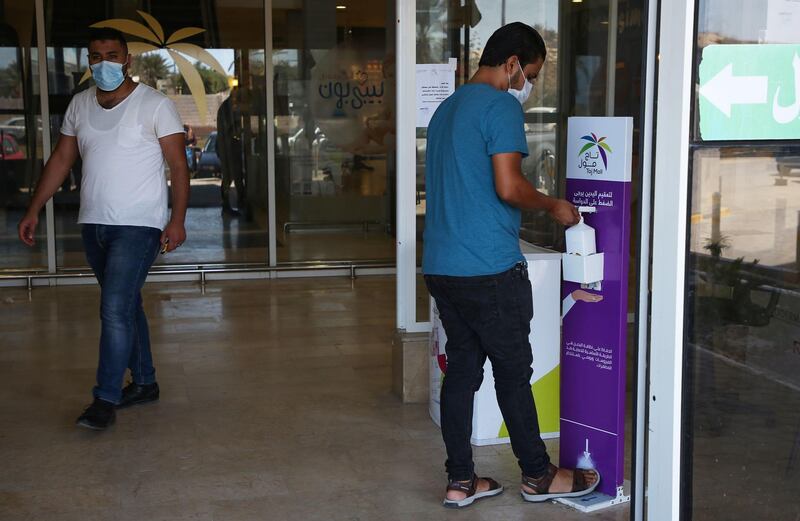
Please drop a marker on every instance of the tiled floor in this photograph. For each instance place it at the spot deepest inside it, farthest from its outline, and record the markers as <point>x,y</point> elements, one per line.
<point>276,405</point>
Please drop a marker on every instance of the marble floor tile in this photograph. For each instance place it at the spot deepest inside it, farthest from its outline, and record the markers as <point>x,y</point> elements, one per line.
<point>275,404</point>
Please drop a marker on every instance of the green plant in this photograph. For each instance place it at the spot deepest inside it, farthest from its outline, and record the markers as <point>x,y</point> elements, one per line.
<point>736,305</point>
<point>213,82</point>
<point>716,246</point>
<point>150,68</point>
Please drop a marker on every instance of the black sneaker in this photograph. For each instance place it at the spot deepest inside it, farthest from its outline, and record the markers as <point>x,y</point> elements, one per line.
<point>134,394</point>
<point>98,416</point>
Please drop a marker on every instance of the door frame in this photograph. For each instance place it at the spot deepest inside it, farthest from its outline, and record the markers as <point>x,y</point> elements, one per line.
<point>670,219</point>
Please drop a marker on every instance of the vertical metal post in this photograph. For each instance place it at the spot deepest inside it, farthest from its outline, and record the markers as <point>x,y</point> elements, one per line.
<point>670,208</point>
<point>643,323</point>
<point>406,163</point>
<point>716,218</point>
<point>611,60</point>
<point>797,255</point>
<point>269,69</point>
<point>44,100</point>
<point>780,221</point>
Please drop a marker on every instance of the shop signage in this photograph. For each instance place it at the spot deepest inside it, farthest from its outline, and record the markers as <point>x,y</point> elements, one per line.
<point>350,95</point>
<point>595,312</point>
<point>749,92</point>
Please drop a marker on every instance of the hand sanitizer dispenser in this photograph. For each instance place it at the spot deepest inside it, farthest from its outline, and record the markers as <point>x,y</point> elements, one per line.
<point>581,262</point>
<point>581,237</point>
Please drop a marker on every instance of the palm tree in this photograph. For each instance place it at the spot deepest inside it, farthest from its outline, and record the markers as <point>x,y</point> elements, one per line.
<point>150,68</point>
<point>10,81</point>
<point>213,82</point>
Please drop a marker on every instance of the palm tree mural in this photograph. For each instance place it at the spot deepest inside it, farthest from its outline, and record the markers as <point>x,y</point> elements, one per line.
<point>178,50</point>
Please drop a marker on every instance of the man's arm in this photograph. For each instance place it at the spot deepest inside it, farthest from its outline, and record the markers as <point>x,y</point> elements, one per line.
<point>55,171</point>
<point>172,147</point>
<point>517,191</point>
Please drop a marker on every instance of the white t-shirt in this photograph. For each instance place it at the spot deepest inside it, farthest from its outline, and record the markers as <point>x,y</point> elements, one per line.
<point>123,165</point>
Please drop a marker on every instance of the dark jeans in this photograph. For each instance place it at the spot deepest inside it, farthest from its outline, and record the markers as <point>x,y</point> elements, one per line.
<point>488,316</point>
<point>120,257</point>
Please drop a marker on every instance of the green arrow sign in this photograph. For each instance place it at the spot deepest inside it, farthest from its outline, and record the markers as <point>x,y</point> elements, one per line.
<point>749,92</point>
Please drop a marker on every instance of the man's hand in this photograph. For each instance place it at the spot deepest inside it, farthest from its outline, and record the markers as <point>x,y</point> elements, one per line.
<point>585,296</point>
<point>27,228</point>
<point>172,236</point>
<point>564,212</point>
<point>172,146</point>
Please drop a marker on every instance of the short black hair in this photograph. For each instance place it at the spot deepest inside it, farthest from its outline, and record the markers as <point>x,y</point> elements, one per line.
<point>515,39</point>
<point>107,33</point>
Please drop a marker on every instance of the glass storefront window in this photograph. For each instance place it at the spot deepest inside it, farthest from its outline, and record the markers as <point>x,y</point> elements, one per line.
<point>210,62</point>
<point>445,31</point>
<point>335,130</point>
<point>20,135</point>
<point>334,155</point>
<point>743,334</point>
<point>742,392</point>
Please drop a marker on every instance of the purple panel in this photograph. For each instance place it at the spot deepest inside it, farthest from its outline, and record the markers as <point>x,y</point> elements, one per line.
<point>594,340</point>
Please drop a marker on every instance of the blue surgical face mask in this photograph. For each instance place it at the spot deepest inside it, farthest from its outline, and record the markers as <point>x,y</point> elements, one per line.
<point>521,95</point>
<point>108,75</point>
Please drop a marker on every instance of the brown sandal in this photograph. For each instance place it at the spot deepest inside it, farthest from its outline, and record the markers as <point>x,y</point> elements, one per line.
<point>541,485</point>
<point>470,488</point>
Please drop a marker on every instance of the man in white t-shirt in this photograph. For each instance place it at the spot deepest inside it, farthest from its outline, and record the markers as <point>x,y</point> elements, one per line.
<point>125,133</point>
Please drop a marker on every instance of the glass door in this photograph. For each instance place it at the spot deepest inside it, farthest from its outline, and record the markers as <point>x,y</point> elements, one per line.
<point>209,60</point>
<point>742,353</point>
<point>20,134</point>
<point>449,30</point>
<point>334,96</point>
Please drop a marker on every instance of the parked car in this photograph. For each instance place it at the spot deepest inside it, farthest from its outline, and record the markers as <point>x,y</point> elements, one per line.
<point>786,164</point>
<point>209,164</point>
<point>12,169</point>
<point>15,126</point>
<point>10,150</point>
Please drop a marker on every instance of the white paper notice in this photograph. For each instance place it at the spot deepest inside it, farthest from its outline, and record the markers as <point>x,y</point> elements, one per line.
<point>435,82</point>
<point>782,19</point>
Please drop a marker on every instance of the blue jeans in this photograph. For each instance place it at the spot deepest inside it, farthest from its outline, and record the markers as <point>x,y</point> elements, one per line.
<point>488,316</point>
<point>120,257</point>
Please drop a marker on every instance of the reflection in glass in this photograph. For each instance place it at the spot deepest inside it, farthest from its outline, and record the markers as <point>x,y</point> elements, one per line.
<point>742,361</point>
<point>215,76</point>
<point>588,23</point>
<point>445,31</point>
<point>20,135</point>
<point>540,169</point>
<point>335,131</point>
<point>743,334</point>
<point>745,21</point>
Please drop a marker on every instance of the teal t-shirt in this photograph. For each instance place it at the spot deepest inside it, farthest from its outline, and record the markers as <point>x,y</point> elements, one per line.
<point>469,230</point>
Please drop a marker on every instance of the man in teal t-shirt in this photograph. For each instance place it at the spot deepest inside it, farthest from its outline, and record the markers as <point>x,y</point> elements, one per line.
<point>475,270</point>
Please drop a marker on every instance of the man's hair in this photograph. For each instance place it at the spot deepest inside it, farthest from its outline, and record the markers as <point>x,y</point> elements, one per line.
<point>107,33</point>
<point>515,39</point>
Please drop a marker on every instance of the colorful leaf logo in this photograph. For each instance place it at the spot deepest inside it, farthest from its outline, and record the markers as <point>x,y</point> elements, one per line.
<point>155,33</point>
<point>602,147</point>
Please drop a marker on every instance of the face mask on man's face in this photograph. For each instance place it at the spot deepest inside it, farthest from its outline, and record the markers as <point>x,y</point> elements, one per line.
<point>521,95</point>
<point>108,75</point>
